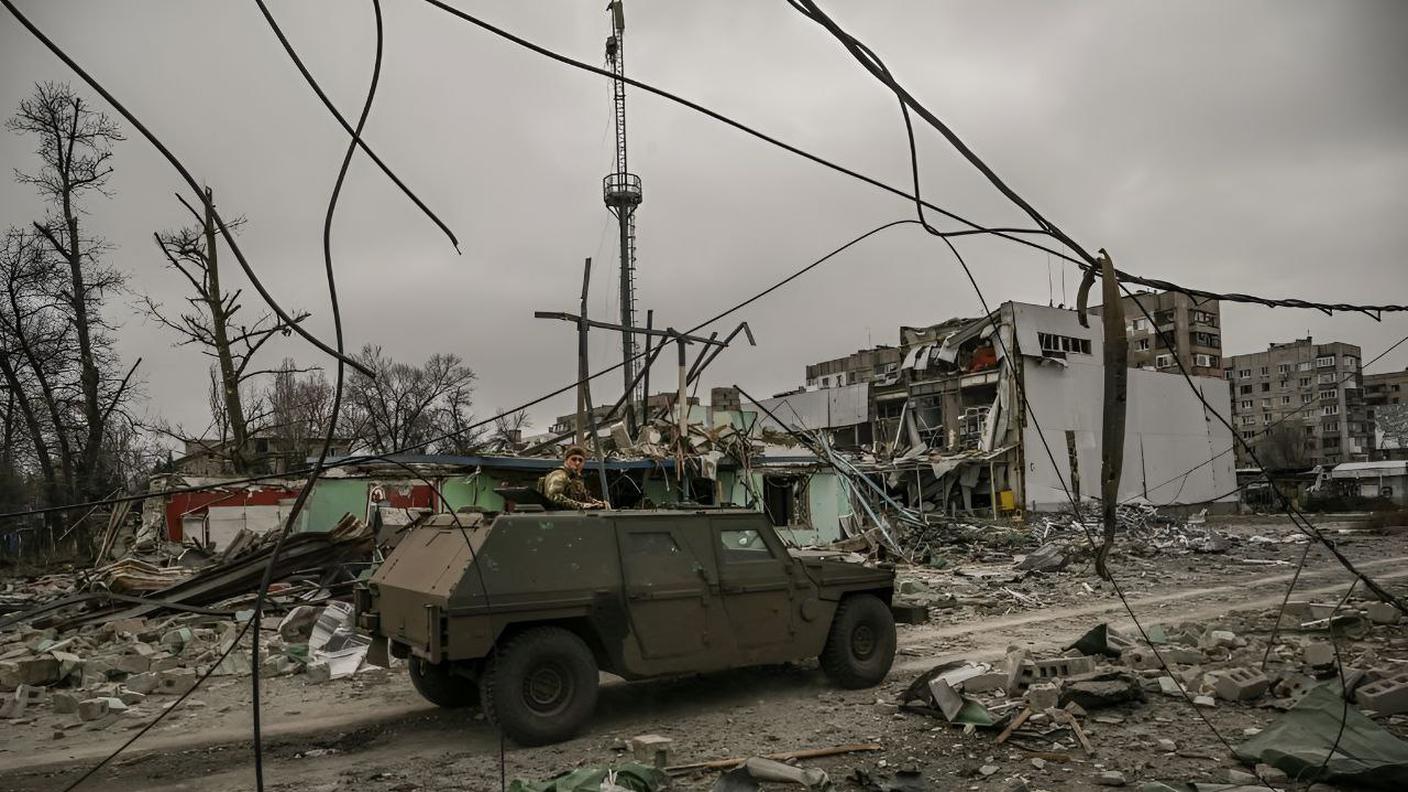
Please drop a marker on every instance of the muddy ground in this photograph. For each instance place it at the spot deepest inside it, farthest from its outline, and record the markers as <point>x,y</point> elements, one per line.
<point>372,732</point>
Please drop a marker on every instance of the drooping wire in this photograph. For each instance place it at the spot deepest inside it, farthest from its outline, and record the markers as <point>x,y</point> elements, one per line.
<point>357,459</point>
<point>356,135</point>
<point>1009,234</point>
<point>338,387</point>
<point>191,182</point>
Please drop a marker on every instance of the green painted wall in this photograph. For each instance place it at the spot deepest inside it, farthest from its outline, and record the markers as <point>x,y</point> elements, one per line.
<point>472,490</point>
<point>331,499</point>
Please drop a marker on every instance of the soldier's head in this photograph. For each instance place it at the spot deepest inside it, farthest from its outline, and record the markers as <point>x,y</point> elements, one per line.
<point>576,457</point>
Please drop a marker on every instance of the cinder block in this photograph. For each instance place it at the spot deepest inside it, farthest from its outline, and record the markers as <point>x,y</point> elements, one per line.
<point>1056,668</point>
<point>1043,696</point>
<point>1388,696</point>
<point>93,709</point>
<point>651,749</point>
<point>1241,684</point>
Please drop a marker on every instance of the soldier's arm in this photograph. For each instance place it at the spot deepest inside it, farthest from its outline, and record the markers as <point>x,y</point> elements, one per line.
<point>555,490</point>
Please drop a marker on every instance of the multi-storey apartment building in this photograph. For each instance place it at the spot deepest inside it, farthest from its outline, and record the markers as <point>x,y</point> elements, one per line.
<point>1193,327</point>
<point>1301,401</point>
<point>1390,387</point>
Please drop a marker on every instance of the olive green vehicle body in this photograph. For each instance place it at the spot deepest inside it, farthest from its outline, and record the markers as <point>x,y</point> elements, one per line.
<point>652,593</point>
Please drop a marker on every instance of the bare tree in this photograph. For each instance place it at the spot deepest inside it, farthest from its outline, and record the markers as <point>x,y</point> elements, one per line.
<point>211,324</point>
<point>298,408</point>
<point>58,342</point>
<point>407,406</point>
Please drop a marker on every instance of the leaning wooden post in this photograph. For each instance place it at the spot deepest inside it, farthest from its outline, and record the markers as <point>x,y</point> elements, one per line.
<point>1116,398</point>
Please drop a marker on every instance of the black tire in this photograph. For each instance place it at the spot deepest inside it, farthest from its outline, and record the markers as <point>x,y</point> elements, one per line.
<point>861,644</point>
<point>541,686</point>
<point>442,687</point>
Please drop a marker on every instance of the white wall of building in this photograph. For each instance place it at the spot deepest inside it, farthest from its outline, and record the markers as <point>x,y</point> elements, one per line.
<point>1167,430</point>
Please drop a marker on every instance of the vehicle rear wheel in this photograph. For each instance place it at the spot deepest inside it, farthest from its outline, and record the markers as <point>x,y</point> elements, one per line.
<point>439,685</point>
<point>541,686</point>
<point>861,644</point>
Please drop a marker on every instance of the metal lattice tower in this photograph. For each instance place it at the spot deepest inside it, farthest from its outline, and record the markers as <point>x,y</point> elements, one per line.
<point>622,194</point>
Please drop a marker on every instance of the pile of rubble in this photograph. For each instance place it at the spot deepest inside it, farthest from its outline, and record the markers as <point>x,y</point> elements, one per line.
<point>1039,703</point>
<point>79,648</point>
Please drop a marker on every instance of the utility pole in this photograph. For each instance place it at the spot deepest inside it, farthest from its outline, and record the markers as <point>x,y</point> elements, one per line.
<point>621,191</point>
<point>582,370</point>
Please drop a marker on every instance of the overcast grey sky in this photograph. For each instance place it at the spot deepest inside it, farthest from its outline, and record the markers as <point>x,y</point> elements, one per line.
<point>1249,146</point>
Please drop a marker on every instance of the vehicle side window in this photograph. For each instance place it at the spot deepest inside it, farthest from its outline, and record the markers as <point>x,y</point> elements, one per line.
<point>653,544</point>
<point>744,545</point>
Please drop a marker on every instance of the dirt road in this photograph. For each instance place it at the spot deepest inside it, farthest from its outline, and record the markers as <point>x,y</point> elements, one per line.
<point>378,735</point>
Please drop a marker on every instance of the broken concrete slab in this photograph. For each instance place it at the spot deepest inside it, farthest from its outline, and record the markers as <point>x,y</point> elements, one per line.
<point>1105,688</point>
<point>24,697</point>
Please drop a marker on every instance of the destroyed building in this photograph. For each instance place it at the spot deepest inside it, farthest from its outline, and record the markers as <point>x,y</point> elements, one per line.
<point>952,432</point>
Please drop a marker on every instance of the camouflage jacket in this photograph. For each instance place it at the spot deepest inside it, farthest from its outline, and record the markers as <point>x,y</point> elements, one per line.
<point>565,490</point>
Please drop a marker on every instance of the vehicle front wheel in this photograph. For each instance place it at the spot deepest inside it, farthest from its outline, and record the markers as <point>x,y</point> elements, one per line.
<point>438,684</point>
<point>541,686</point>
<point>861,644</point>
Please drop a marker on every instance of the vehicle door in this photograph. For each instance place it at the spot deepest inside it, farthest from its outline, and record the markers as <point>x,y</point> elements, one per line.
<point>755,580</point>
<point>668,592</point>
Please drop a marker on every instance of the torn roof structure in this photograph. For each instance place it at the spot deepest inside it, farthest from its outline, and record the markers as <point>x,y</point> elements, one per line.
<point>951,426</point>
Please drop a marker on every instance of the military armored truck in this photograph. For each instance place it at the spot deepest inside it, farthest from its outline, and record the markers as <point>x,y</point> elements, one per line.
<point>518,612</point>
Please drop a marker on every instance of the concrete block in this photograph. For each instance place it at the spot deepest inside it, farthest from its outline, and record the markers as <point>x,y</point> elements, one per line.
<point>1057,668</point>
<point>1042,696</point>
<point>1169,686</point>
<point>1388,696</point>
<point>1204,701</point>
<point>1382,613</point>
<point>1140,658</point>
<point>318,672</point>
<point>24,697</point>
<point>1167,746</point>
<point>35,671</point>
<point>163,661</point>
<point>1241,684</point>
<point>1293,686</point>
<point>63,702</point>
<point>1319,654</point>
<point>130,697</point>
<point>651,749</point>
<point>143,683</point>
<point>93,709</point>
<point>176,681</point>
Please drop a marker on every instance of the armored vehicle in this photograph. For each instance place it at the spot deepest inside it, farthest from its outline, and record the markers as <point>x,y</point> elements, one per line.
<point>518,612</point>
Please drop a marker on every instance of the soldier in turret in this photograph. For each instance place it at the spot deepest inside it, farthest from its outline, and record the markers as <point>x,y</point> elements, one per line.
<point>565,488</point>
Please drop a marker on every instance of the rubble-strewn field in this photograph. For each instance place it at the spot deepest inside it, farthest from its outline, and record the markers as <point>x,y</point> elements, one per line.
<point>1209,609</point>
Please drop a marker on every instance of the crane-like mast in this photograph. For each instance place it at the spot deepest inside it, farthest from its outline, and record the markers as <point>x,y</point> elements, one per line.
<point>622,193</point>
